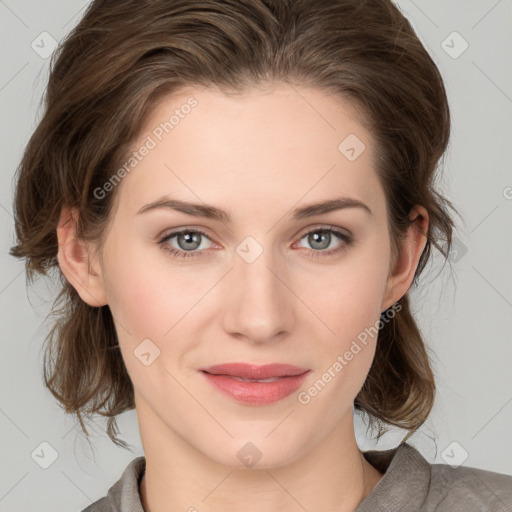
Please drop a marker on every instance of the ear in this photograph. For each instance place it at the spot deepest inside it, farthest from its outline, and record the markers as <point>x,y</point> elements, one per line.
<point>402,273</point>
<point>76,260</point>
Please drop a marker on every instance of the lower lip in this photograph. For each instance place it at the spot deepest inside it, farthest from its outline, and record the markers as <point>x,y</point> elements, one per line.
<point>256,393</point>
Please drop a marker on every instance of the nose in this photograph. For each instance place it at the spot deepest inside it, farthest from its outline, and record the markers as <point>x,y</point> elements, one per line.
<point>259,305</point>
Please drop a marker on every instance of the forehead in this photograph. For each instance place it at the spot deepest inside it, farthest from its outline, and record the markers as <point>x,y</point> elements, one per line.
<point>277,144</point>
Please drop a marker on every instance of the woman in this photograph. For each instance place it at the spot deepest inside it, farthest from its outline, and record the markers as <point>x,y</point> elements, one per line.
<point>238,196</point>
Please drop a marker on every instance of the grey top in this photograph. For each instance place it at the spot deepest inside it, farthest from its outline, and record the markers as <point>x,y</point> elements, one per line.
<point>409,484</point>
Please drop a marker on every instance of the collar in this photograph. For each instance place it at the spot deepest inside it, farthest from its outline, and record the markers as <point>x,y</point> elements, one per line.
<point>405,483</point>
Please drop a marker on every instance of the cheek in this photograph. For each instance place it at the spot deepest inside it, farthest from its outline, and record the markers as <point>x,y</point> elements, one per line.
<point>348,301</point>
<point>349,297</point>
<point>134,299</point>
<point>145,308</point>
<point>152,298</point>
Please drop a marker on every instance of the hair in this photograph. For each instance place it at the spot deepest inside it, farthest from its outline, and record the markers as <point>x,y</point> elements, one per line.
<point>126,55</point>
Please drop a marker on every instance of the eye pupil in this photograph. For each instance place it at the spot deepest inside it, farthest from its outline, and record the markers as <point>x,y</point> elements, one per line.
<point>317,236</point>
<point>189,237</point>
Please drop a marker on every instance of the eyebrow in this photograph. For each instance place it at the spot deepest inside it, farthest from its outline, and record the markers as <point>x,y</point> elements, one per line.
<point>213,213</point>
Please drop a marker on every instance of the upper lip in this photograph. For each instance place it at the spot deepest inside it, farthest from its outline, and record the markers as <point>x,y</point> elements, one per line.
<point>250,371</point>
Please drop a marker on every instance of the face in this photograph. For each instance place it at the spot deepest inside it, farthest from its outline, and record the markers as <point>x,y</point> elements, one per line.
<point>260,284</point>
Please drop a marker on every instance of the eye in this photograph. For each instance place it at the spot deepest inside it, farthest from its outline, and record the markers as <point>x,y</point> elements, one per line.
<point>189,242</point>
<point>187,239</point>
<point>322,238</point>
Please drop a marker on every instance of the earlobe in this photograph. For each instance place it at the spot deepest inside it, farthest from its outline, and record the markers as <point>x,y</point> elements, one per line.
<point>402,275</point>
<point>75,261</point>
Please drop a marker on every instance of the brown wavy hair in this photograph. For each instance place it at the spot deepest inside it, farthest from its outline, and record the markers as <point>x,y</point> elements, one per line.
<point>125,55</point>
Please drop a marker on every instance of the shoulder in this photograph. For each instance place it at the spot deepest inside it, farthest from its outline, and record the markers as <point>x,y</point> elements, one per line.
<point>469,489</point>
<point>124,494</point>
<point>102,505</point>
<point>410,482</point>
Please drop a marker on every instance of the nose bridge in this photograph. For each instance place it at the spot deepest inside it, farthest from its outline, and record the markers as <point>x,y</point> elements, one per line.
<point>259,305</point>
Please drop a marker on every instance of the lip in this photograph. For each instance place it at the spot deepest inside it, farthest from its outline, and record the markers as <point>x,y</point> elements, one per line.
<point>225,378</point>
<point>251,371</point>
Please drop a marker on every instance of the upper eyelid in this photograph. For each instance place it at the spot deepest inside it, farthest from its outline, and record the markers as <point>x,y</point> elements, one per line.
<point>178,231</point>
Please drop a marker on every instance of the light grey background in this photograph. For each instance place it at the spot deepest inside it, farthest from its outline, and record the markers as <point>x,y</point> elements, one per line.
<point>467,322</point>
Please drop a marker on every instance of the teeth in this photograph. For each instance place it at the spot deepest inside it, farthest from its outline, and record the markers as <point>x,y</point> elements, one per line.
<point>272,379</point>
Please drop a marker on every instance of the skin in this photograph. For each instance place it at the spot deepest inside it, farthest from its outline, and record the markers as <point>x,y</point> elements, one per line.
<point>256,156</point>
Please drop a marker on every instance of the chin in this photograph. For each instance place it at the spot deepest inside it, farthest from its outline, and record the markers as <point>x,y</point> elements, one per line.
<point>257,453</point>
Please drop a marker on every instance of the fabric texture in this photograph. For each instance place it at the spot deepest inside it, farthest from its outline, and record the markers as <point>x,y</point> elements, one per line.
<point>410,484</point>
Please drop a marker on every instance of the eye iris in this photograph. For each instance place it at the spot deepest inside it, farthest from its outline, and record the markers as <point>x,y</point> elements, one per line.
<point>314,237</point>
<point>189,237</point>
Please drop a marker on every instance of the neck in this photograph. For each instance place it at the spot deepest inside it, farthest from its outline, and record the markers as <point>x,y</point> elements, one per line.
<point>334,475</point>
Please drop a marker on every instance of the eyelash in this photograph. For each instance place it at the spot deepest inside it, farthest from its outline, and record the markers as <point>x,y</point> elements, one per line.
<point>314,254</point>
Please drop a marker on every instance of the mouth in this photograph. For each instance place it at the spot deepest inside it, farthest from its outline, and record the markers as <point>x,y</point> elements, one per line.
<point>255,385</point>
